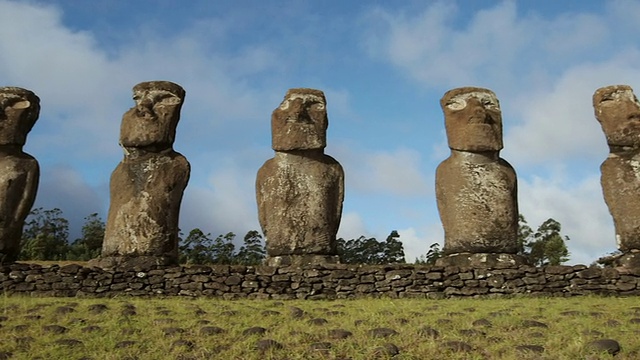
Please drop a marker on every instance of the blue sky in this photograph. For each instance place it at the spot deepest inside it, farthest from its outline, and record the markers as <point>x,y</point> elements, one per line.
<point>383,67</point>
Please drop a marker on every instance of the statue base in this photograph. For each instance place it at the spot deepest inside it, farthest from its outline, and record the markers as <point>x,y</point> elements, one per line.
<point>482,260</point>
<point>302,260</point>
<point>137,263</point>
<point>628,260</point>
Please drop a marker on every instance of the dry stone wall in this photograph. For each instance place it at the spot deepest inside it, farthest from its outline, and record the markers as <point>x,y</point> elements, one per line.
<point>330,281</point>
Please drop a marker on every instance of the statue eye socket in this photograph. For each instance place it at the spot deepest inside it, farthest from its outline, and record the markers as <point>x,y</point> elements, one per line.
<point>169,100</point>
<point>456,104</point>
<point>489,103</point>
<point>19,105</point>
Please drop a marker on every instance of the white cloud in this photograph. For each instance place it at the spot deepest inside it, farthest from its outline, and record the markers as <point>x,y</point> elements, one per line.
<point>558,123</point>
<point>352,226</point>
<point>428,47</point>
<point>225,204</point>
<point>416,242</point>
<point>397,172</point>
<point>84,91</point>
<point>580,209</point>
<point>64,188</point>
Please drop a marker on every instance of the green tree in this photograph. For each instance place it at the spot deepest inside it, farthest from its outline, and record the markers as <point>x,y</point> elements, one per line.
<point>45,235</point>
<point>525,234</point>
<point>546,246</point>
<point>365,250</point>
<point>223,249</point>
<point>252,252</point>
<point>432,255</point>
<point>393,249</point>
<point>360,251</point>
<point>90,244</point>
<point>196,248</point>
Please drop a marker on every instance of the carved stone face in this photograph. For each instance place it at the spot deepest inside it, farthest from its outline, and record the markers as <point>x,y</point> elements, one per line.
<point>473,119</point>
<point>19,110</point>
<point>618,111</point>
<point>300,122</point>
<point>153,120</point>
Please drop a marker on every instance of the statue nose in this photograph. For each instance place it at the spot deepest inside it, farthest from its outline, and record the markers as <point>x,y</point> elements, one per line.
<point>300,112</point>
<point>146,102</point>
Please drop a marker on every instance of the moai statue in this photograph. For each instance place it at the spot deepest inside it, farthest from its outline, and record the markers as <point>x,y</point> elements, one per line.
<point>618,112</point>
<point>300,191</point>
<point>476,190</point>
<point>19,171</point>
<point>147,186</point>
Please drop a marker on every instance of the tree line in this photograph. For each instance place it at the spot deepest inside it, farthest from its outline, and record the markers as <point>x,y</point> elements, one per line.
<point>545,246</point>
<point>46,237</point>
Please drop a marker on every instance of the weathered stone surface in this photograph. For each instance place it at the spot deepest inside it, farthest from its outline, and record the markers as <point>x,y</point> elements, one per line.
<point>618,111</point>
<point>147,186</point>
<point>19,171</point>
<point>476,190</point>
<point>609,346</point>
<point>300,191</point>
<point>320,282</point>
<point>482,260</point>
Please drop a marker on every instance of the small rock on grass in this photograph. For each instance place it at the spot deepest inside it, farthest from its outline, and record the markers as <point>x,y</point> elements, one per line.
<point>386,350</point>
<point>339,334</point>
<point>609,346</point>
<point>320,346</point>
<point>182,343</point>
<point>256,330</point>
<point>612,323</point>
<point>296,312</point>
<point>428,331</point>
<point>55,329</point>
<point>537,349</point>
<point>24,340</point>
<point>482,323</point>
<point>64,310</point>
<point>457,346</point>
<point>211,330</point>
<point>91,328</point>
<point>98,308</point>
<point>534,323</point>
<point>170,331</point>
<point>270,313</point>
<point>267,344</point>
<point>382,332</point>
<point>69,342</point>
<point>318,321</point>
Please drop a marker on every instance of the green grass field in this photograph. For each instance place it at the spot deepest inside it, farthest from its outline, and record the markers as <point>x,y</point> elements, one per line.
<point>184,328</point>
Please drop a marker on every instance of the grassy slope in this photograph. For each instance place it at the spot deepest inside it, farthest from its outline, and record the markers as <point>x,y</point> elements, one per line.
<point>564,338</point>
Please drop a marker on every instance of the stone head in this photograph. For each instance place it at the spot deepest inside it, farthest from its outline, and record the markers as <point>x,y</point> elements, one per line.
<point>19,110</point>
<point>618,111</point>
<point>473,119</point>
<point>153,120</point>
<point>300,122</point>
